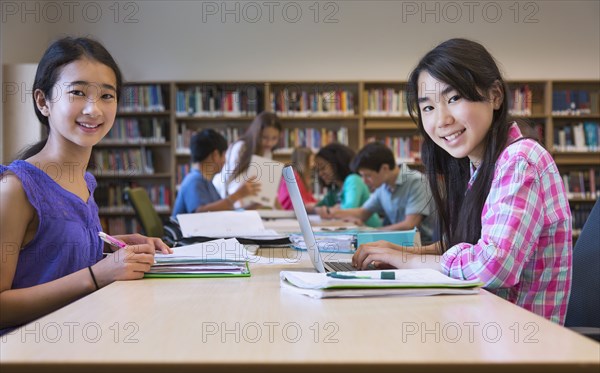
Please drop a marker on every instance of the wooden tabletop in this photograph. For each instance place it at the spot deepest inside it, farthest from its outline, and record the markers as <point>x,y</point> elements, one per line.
<point>250,324</point>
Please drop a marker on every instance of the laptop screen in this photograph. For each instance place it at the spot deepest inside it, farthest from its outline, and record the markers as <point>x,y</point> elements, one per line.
<point>309,238</point>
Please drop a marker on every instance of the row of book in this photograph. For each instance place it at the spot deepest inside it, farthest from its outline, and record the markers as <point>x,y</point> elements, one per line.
<point>122,162</point>
<point>579,215</point>
<point>301,103</point>
<point>313,137</point>
<point>110,196</point>
<point>142,98</point>
<point>582,184</point>
<point>575,102</point>
<point>521,103</point>
<point>578,137</point>
<point>137,131</point>
<point>184,136</point>
<point>385,102</point>
<point>181,170</point>
<point>405,149</point>
<point>120,225</point>
<point>211,101</point>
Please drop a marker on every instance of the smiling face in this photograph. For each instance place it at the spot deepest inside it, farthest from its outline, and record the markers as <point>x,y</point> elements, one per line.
<point>455,124</point>
<point>83,105</point>
<point>325,170</point>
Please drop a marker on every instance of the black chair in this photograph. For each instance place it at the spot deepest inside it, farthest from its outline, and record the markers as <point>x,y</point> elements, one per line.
<point>583,312</point>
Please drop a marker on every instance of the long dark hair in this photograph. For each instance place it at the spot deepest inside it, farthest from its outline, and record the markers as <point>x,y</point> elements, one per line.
<point>471,70</point>
<point>59,54</point>
<point>339,156</point>
<point>301,161</point>
<point>252,138</point>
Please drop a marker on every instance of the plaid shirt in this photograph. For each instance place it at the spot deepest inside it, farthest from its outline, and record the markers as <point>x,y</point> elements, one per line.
<point>525,250</point>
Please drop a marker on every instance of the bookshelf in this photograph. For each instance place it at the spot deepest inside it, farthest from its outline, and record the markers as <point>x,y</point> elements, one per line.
<point>136,152</point>
<point>157,119</point>
<point>385,118</point>
<point>574,126</point>
<point>314,114</point>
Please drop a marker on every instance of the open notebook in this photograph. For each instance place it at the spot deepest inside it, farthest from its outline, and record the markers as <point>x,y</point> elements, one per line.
<point>376,283</point>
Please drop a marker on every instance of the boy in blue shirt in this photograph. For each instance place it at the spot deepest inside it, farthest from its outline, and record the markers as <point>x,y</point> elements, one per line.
<point>197,192</point>
<point>402,197</point>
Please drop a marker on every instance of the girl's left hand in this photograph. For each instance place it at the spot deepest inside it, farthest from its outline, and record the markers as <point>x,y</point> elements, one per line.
<point>137,239</point>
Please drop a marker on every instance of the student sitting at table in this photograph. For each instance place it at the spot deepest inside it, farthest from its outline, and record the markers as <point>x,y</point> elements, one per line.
<point>197,192</point>
<point>504,215</point>
<point>345,189</point>
<point>49,242</point>
<point>403,197</point>
<point>260,139</point>
<point>303,161</point>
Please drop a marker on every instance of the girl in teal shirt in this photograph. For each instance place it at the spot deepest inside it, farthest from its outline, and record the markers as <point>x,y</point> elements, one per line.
<point>344,188</point>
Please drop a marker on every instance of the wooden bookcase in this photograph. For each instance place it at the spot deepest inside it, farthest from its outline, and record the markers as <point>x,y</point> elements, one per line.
<point>316,113</point>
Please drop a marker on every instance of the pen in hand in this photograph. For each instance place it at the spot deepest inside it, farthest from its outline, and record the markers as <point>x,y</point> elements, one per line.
<point>384,275</point>
<point>111,240</point>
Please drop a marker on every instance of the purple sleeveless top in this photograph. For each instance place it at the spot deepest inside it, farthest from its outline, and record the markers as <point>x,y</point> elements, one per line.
<point>67,236</point>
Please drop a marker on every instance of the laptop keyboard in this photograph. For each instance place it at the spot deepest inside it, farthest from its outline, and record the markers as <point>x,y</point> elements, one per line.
<point>339,266</point>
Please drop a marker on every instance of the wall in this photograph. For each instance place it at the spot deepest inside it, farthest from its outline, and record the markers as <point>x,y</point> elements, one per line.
<point>358,40</point>
<point>307,40</point>
<point>18,110</point>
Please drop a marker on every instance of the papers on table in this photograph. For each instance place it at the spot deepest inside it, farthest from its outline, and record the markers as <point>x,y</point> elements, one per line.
<point>225,224</point>
<point>277,214</point>
<point>218,258</point>
<point>405,282</point>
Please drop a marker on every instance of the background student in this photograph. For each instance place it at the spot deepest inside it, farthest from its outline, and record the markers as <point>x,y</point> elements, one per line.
<point>504,214</point>
<point>197,192</point>
<point>260,139</point>
<point>51,252</point>
<point>345,189</point>
<point>303,160</point>
<point>404,198</point>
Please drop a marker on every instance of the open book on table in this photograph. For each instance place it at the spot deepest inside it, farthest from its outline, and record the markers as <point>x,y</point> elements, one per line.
<point>376,283</point>
<point>218,258</point>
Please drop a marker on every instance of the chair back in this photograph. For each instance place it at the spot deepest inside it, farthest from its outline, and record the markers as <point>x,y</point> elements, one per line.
<point>584,304</point>
<point>145,212</point>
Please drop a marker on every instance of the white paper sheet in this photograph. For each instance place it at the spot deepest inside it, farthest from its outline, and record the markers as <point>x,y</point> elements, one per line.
<point>222,224</point>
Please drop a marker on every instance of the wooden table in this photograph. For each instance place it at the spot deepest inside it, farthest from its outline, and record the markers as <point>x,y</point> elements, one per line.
<point>251,325</point>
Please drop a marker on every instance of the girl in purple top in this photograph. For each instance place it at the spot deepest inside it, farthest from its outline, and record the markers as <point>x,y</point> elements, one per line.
<point>51,252</point>
<point>504,214</point>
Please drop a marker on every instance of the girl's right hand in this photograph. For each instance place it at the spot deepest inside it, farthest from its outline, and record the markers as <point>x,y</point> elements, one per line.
<point>128,263</point>
<point>249,188</point>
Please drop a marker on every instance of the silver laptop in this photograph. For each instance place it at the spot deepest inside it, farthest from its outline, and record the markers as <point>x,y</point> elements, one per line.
<point>307,232</point>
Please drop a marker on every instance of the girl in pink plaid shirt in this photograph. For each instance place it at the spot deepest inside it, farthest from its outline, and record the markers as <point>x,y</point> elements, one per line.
<point>504,217</point>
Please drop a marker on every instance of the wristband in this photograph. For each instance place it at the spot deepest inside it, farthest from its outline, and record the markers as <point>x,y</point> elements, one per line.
<point>94,278</point>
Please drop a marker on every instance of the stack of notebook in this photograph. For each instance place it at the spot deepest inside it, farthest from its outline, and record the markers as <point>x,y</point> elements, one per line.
<point>218,258</point>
